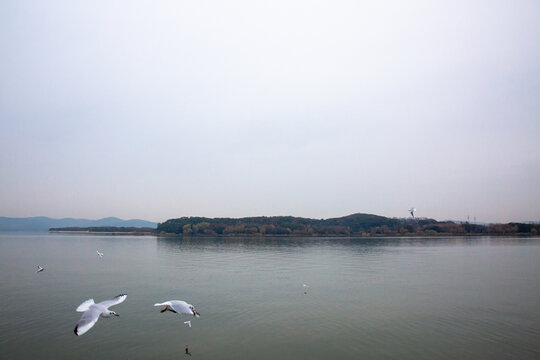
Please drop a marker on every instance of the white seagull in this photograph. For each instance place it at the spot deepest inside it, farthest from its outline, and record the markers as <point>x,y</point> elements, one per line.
<point>179,307</point>
<point>412,210</point>
<point>305,286</point>
<point>188,323</point>
<point>39,269</point>
<point>92,312</point>
<point>99,253</point>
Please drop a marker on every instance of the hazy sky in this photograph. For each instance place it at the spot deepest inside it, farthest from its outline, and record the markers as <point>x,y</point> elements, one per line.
<point>162,109</point>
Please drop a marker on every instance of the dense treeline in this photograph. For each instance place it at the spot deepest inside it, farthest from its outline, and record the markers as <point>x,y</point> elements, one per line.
<point>352,225</point>
<point>275,225</point>
<point>107,229</point>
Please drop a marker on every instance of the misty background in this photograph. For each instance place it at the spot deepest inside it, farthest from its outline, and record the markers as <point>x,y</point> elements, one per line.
<point>156,110</point>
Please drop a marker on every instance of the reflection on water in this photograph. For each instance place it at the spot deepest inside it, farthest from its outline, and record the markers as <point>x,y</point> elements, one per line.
<point>352,242</point>
<point>383,298</point>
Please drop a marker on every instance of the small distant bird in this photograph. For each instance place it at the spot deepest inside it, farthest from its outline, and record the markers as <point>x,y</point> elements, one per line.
<point>92,312</point>
<point>99,253</point>
<point>39,269</point>
<point>187,351</point>
<point>179,307</point>
<point>188,323</point>
<point>305,288</point>
<point>412,210</point>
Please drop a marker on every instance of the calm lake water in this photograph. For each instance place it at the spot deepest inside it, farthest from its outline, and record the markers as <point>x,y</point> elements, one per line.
<point>453,298</point>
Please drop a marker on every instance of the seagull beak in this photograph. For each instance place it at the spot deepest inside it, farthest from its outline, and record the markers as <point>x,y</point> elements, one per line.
<point>196,313</point>
<point>116,315</point>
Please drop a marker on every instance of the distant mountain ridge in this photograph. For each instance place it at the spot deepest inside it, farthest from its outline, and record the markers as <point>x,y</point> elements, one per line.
<point>42,223</point>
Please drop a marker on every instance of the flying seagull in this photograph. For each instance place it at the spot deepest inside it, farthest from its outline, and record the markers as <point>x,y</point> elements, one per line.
<point>179,307</point>
<point>39,269</point>
<point>305,286</point>
<point>412,210</point>
<point>92,311</point>
<point>99,253</point>
<point>188,323</point>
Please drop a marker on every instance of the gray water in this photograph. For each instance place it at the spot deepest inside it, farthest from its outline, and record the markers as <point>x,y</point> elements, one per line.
<point>452,298</point>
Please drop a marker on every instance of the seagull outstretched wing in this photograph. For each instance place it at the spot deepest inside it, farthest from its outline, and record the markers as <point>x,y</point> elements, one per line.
<point>114,301</point>
<point>88,319</point>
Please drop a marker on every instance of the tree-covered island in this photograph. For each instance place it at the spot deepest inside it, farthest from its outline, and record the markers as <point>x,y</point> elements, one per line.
<point>352,225</point>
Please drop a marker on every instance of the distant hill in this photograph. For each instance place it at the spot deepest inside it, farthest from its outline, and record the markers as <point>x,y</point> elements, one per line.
<point>42,223</point>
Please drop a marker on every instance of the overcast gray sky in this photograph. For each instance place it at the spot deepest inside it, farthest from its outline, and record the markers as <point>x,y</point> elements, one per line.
<point>162,109</point>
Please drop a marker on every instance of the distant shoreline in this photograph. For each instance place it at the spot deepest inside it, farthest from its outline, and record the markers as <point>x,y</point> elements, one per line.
<point>355,225</point>
<point>285,236</point>
<point>87,232</point>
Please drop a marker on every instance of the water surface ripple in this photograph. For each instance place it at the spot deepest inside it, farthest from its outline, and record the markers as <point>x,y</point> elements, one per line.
<point>453,298</point>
